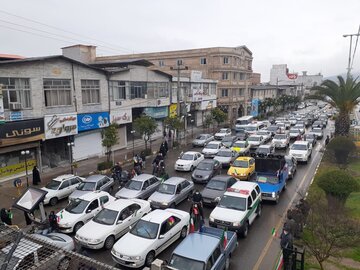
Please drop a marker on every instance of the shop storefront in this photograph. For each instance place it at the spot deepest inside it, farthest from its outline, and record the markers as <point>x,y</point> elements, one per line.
<point>60,129</point>
<point>15,138</point>
<point>121,117</point>
<point>159,114</point>
<point>89,128</point>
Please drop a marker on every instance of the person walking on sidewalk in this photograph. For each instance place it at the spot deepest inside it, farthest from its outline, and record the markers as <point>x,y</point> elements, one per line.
<point>286,244</point>
<point>36,176</point>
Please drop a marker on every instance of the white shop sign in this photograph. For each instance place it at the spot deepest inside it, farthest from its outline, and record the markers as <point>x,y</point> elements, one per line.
<point>60,125</point>
<point>121,116</point>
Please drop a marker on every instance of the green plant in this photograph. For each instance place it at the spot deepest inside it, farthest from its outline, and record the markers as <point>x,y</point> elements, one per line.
<point>218,115</point>
<point>145,126</point>
<point>339,150</point>
<point>104,165</point>
<point>110,138</point>
<point>208,121</point>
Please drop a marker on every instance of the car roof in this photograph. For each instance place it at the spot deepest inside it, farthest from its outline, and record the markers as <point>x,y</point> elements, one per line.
<point>301,142</point>
<point>241,185</point>
<point>264,146</point>
<point>143,177</point>
<point>191,153</point>
<point>24,248</point>
<point>244,158</point>
<point>119,204</point>
<point>197,246</point>
<point>95,178</point>
<point>210,161</point>
<point>93,195</point>
<point>240,141</point>
<point>158,216</point>
<point>214,142</point>
<point>256,136</point>
<point>64,177</point>
<point>175,180</point>
<point>223,178</point>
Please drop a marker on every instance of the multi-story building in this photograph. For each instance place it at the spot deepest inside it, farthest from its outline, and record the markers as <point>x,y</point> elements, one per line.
<point>230,66</point>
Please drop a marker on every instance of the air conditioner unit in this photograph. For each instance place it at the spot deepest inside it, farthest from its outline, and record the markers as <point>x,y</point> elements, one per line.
<point>118,103</point>
<point>15,106</point>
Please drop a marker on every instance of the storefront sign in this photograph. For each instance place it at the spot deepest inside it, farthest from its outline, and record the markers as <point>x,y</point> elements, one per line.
<point>90,121</point>
<point>16,116</point>
<point>21,132</point>
<point>197,92</point>
<point>121,116</point>
<point>17,168</point>
<point>172,110</point>
<point>60,125</point>
<point>2,114</point>
<point>255,107</point>
<point>208,105</point>
<point>157,112</point>
<point>292,76</point>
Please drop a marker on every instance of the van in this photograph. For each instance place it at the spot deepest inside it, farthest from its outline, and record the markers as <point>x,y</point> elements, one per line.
<point>243,121</point>
<point>254,128</point>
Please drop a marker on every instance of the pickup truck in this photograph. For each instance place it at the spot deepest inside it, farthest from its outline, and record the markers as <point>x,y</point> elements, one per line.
<point>204,250</point>
<point>271,174</point>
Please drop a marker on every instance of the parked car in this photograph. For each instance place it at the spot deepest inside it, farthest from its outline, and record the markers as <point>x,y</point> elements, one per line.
<point>294,133</point>
<point>172,192</point>
<point>81,210</point>
<point>241,147</point>
<point>151,235</point>
<point>61,187</point>
<point>242,135</point>
<point>255,141</point>
<point>222,133</point>
<point>318,123</point>
<point>215,188</point>
<point>282,126</point>
<point>141,187</point>
<point>211,149</point>
<point>292,165</point>
<point>242,168</point>
<point>311,138</point>
<point>228,141</point>
<point>300,127</point>
<point>265,150</point>
<point>266,135</point>
<point>226,157</point>
<point>60,240</point>
<point>281,141</point>
<point>92,183</point>
<point>112,222</point>
<point>206,170</point>
<point>292,121</point>
<point>301,150</point>
<point>188,161</point>
<point>318,132</point>
<point>274,130</point>
<point>202,139</point>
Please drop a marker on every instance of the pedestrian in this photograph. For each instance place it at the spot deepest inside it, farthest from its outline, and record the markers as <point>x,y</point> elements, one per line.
<point>166,146</point>
<point>163,149</point>
<point>143,157</point>
<point>286,244</point>
<point>53,221</point>
<point>5,217</point>
<point>164,133</point>
<point>327,140</point>
<point>27,219</point>
<point>36,176</point>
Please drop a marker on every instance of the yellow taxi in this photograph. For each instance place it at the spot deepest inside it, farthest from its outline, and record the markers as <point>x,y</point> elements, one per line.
<point>241,147</point>
<point>242,168</point>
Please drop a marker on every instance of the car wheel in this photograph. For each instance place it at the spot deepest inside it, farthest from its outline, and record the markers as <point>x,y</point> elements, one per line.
<point>64,263</point>
<point>258,210</point>
<point>227,263</point>
<point>192,168</point>
<point>172,205</point>
<point>149,258</point>
<point>183,232</point>
<point>246,230</point>
<point>248,178</point>
<point>109,242</point>
<point>53,201</point>
<point>285,186</point>
<point>78,226</point>
<point>277,198</point>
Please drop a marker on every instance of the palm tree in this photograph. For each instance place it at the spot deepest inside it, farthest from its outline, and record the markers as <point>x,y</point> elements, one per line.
<point>344,96</point>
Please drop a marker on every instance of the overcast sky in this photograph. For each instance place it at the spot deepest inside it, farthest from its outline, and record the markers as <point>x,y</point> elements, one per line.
<point>306,34</point>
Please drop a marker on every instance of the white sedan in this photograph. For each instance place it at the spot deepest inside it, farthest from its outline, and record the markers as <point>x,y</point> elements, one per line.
<point>111,223</point>
<point>151,235</point>
<point>223,132</point>
<point>58,239</point>
<point>81,210</point>
<point>266,135</point>
<point>188,161</point>
<point>211,149</point>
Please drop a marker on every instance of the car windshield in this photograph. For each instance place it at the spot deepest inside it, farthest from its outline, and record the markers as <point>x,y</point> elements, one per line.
<point>222,131</point>
<point>182,263</point>
<point>280,137</point>
<point>187,157</point>
<point>264,150</point>
<point>77,206</point>
<point>53,184</point>
<point>267,179</point>
<point>166,189</point>
<point>240,131</point>
<point>211,146</point>
<point>87,186</point>
<point>240,164</point>
<point>299,126</point>
<point>145,229</point>
<point>227,139</point>
<point>106,217</point>
<point>224,154</point>
<point>204,166</point>
<point>133,185</point>
<point>240,144</point>
<point>254,139</point>
<point>310,136</point>
<point>289,161</point>
<point>294,131</point>
<point>316,130</point>
<point>201,137</point>
<point>273,128</point>
<point>232,202</point>
<point>299,147</point>
<point>263,133</point>
<point>250,128</point>
<point>216,185</point>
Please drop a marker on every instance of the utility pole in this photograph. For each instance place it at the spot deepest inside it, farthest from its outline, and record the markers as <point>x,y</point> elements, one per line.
<point>350,50</point>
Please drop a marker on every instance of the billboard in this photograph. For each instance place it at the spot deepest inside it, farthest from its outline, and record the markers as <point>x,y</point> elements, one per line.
<point>89,121</point>
<point>60,125</point>
<point>255,107</point>
<point>121,116</point>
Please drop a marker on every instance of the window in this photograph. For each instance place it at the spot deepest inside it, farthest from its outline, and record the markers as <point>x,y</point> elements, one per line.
<point>65,184</point>
<point>257,189</point>
<point>57,92</point>
<point>242,76</point>
<point>249,202</point>
<point>234,76</point>
<point>226,60</point>
<point>241,92</point>
<point>138,89</point>
<point>99,184</point>
<point>133,208</point>
<point>153,181</point>
<point>74,181</point>
<point>157,89</point>
<point>225,75</point>
<point>161,63</point>
<point>146,185</point>
<point>125,213</point>
<point>231,182</point>
<point>224,92</point>
<point>90,90</point>
<point>253,194</point>
<point>179,62</point>
<point>185,184</point>
<point>203,61</point>
<point>104,199</point>
<point>168,224</point>
<point>93,205</point>
<point>217,253</point>
<point>118,90</point>
<point>209,264</point>
<point>16,90</point>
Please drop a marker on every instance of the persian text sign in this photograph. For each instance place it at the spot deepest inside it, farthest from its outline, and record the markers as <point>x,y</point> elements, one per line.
<point>121,116</point>
<point>60,125</point>
<point>2,114</point>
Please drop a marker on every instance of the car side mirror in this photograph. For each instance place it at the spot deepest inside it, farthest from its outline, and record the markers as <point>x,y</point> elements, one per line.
<point>119,222</point>
<point>161,236</point>
<point>88,211</point>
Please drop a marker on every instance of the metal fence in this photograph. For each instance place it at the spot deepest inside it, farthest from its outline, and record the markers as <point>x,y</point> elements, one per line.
<point>25,252</point>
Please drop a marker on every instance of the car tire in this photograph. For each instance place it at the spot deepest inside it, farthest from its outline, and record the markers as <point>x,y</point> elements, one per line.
<point>258,210</point>
<point>277,198</point>
<point>227,263</point>
<point>183,232</point>
<point>285,186</point>
<point>109,242</point>
<point>78,226</point>
<point>53,201</point>
<point>245,232</point>
<point>150,257</point>
<point>192,168</point>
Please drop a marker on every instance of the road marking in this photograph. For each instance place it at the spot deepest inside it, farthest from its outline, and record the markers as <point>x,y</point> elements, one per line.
<point>277,227</point>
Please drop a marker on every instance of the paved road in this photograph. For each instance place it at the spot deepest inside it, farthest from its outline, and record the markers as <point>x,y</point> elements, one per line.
<point>259,249</point>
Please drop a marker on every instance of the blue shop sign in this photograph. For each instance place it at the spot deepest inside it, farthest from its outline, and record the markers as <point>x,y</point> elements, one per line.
<point>255,107</point>
<point>157,112</point>
<point>88,121</point>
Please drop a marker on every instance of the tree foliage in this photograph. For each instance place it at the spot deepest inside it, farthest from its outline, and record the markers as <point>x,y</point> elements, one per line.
<point>208,121</point>
<point>110,138</point>
<point>218,115</point>
<point>145,126</point>
<point>339,150</point>
<point>174,123</point>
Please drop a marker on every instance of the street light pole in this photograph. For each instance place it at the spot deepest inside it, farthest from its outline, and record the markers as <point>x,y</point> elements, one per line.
<point>133,141</point>
<point>70,145</point>
<point>350,49</point>
<point>25,153</point>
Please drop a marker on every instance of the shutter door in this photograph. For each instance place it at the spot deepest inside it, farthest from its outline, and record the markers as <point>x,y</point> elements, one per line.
<point>87,145</point>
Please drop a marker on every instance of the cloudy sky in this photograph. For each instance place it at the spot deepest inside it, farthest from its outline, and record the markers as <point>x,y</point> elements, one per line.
<point>305,34</point>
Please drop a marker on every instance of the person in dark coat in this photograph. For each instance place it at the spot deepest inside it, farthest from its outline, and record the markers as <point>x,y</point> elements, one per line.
<point>36,176</point>
<point>53,221</point>
<point>163,149</point>
<point>286,244</point>
<point>4,215</point>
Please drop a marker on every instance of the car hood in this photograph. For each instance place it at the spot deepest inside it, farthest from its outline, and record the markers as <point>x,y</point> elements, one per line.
<point>67,217</point>
<point>238,149</point>
<point>268,188</point>
<point>198,141</point>
<point>94,230</point>
<point>183,162</point>
<point>201,172</point>
<point>223,159</point>
<point>211,151</point>
<point>127,193</point>
<point>77,193</point>
<point>212,193</point>
<point>139,246</point>
<point>161,197</point>
<point>298,152</point>
<point>237,171</point>
<point>49,192</point>
<point>229,215</point>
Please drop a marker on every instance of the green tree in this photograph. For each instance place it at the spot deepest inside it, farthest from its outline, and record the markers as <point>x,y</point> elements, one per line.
<point>344,96</point>
<point>218,115</point>
<point>339,150</point>
<point>110,138</point>
<point>208,121</point>
<point>145,126</point>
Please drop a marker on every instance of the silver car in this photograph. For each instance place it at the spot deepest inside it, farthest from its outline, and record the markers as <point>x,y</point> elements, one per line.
<point>202,140</point>
<point>140,187</point>
<point>171,193</point>
<point>93,183</point>
<point>226,157</point>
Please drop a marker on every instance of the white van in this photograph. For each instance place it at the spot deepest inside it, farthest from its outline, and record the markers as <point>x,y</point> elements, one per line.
<point>254,128</point>
<point>243,121</point>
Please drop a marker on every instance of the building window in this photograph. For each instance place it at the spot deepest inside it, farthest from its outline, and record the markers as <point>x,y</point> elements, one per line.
<point>242,76</point>
<point>212,89</point>
<point>224,92</point>
<point>161,63</point>
<point>226,60</point>
<point>234,76</point>
<point>57,92</point>
<point>90,90</point>
<point>118,90</point>
<point>157,89</point>
<point>225,75</point>
<point>203,61</point>
<point>241,92</point>
<point>138,90</point>
<point>16,90</point>
<point>179,62</point>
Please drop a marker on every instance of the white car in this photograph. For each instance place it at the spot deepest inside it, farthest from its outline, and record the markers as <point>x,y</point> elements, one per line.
<point>255,141</point>
<point>188,161</point>
<point>81,210</point>
<point>281,141</point>
<point>292,121</point>
<point>282,126</point>
<point>287,124</point>
<point>300,127</point>
<point>266,135</point>
<point>57,239</point>
<point>318,132</point>
<point>211,149</point>
<point>294,133</point>
<point>301,150</point>
<point>61,187</point>
<point>111,223</point>
<point>222,133</point>
<point>151,235</point>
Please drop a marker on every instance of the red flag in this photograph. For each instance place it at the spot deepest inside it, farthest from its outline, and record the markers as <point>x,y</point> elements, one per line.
<point>192,227</point>
<point>224,238</point>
